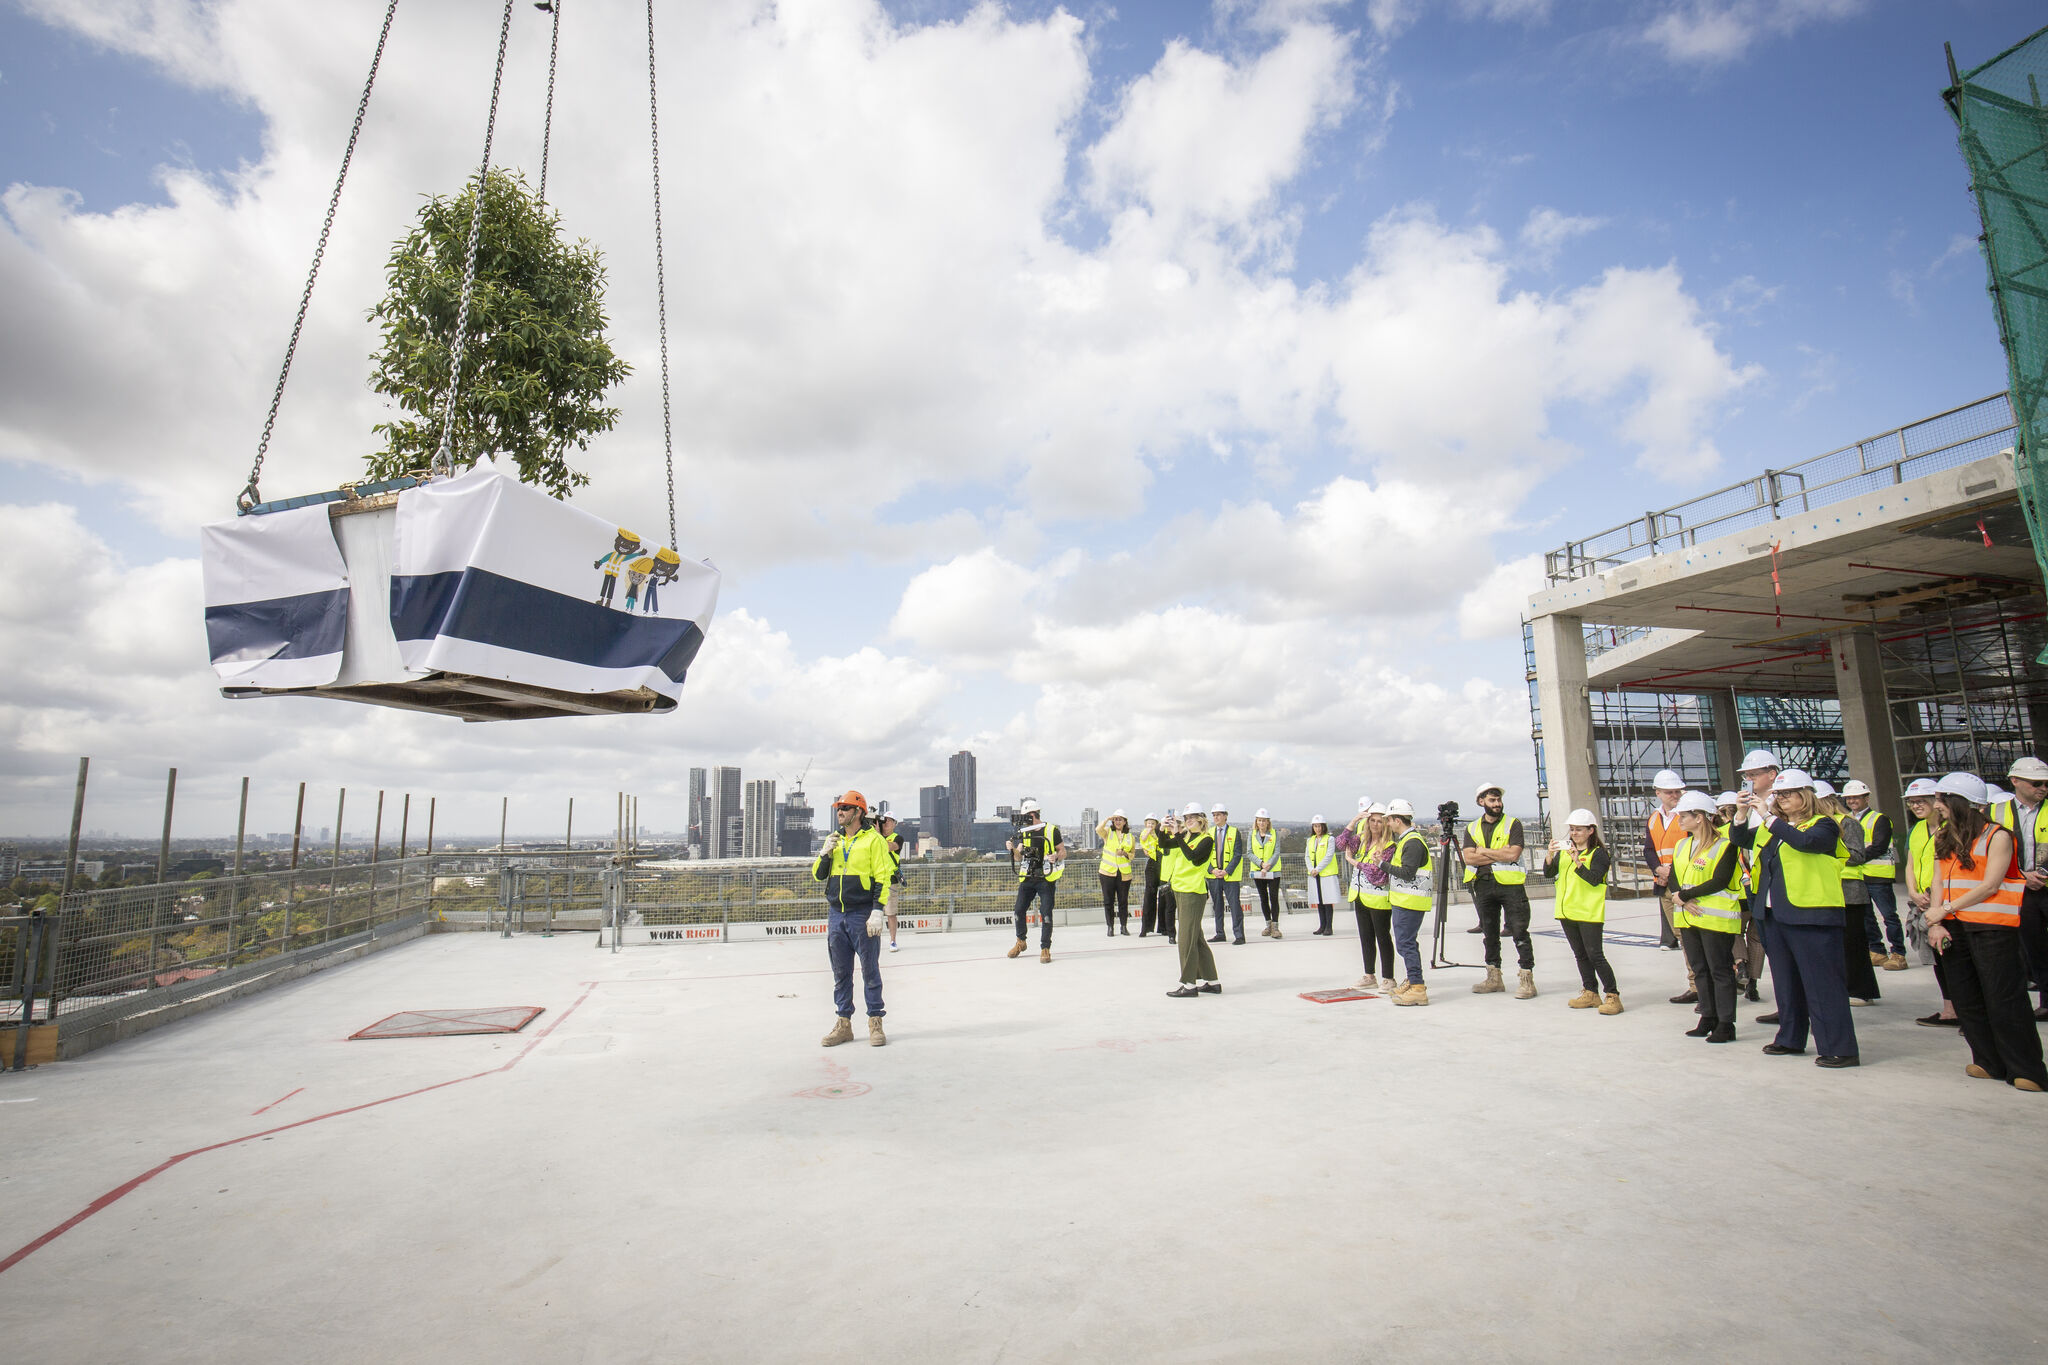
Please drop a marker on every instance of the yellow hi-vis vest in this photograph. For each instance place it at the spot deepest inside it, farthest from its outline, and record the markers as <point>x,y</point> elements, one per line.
<point>1184,874</point>
<point>1812,880</point>
<point>1364,892</point>
<point>1116,854</point>
<point>1266,846</point>
<point>2007,813</point>
<point>1507,874</point>
<point>1321,855</point>
<point>1410,893</point>
<point>1226,846</point>
<point>1053,871</point>
<point>1920,857</point>
<point>1720,912</point>
<point>1578,898</point>
<point>1880,869</point>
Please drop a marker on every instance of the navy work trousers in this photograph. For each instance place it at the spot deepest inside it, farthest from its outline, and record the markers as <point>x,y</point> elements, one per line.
<point>1811,982</point>
<point>846,938</point>
<point>1222,892</point>
<point>1040,890</point>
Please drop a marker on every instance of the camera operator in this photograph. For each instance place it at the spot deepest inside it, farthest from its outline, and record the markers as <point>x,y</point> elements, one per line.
<point>1040,862</point>
<point>1187,849</point>
<point>1496,875</point>
<point>1409,888</point>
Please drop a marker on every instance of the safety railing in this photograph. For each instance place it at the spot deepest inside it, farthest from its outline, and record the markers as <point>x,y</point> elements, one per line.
<point>1943,441</point>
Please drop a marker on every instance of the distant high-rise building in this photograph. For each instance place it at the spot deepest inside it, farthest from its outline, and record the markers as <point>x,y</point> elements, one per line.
<point>725,818</point>
<point>10,864</point>
<point>1085,836</point>
<point>699,814</point>
<point>962,800</point>
<point>757,825</point>
<point>795,837</point>
<point>933,805</point>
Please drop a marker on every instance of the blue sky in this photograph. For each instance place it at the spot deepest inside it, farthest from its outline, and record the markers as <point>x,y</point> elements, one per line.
<point>1773,183</point>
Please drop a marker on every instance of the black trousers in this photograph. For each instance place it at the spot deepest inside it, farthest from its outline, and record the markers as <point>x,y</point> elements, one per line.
<point>1375,930</point>
<point>2034,938</point>
<point>1116,901</point>
<point>1585,936</point>
<point>1269,897</point>
<point>1151,922</point>
<point>1495,903</point>
<point>1987,984</point>
<point>1040,890</point>
<point>1169,913</point>
<point>1711,955</point>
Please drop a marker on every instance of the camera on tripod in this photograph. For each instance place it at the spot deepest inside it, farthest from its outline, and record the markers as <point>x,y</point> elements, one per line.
<point>1447,815</point>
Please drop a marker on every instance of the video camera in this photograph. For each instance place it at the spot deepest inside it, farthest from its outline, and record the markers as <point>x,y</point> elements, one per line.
<point>1447,815</point>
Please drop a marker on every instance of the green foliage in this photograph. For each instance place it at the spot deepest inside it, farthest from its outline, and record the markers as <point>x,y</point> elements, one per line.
<point>537,365</point>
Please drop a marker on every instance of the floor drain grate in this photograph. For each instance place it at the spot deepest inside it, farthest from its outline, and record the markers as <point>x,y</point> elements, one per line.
<point>448,1023</point>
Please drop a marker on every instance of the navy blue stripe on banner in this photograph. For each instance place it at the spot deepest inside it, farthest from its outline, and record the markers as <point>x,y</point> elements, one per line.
<point>301,627</point>
<point>490,609</point>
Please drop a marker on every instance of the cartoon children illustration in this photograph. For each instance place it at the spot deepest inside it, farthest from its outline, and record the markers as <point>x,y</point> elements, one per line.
<point>636,574</point>
<point>624,547</point>
<point>666,564</point>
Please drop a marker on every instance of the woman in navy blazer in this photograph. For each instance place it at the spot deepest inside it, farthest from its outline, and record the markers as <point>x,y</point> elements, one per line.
<point>1799,903</point>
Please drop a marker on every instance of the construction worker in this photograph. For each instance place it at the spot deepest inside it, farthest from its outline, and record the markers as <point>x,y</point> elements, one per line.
<point>1879,872</point>
<point>1226,874</point>
<point>1660,835</point>
<point>1578,865</point>
<point>1749,945</point>
<point>1494,874</point>
<point>1040,861</point>
<point>1372,905</point>
<point>885,825</point>
<point>1188,849</point>
<point>2027,817</point>
<point>1324,890</point>
<point>1409,888</point>
<point>1706,870</point>
<point>856,867</point>
<point>1799,900</point>
<point>625,548</point>
<point>1973,921</point>
<point>1113,866</point>
<point>1265,848</point>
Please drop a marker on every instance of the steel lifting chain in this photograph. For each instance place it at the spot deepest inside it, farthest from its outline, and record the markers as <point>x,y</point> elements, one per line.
<point>668,444</point>
<point>547,127</point>
<point>444,458</point>
<point>251,494</point>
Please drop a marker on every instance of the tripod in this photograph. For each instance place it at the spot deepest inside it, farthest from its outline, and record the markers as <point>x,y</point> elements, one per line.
<point>1447,848</point>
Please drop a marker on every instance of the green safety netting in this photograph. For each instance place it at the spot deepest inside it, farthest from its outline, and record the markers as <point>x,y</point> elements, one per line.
<point>2003,126</point>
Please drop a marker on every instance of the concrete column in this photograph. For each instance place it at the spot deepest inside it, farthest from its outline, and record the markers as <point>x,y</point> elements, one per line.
<point>2037,730</point>
<point>1728,748</point>
<point>1567,707</point>
<point>1867,720</point>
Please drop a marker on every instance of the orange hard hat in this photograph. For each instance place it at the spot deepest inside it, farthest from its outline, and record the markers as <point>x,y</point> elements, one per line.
<point>853,799</point>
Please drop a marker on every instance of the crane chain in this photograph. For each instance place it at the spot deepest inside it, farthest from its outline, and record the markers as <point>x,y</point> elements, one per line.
<point>547,127</point>
<point>668,446</point>
<point>444,458</point>
<point>252,494</point>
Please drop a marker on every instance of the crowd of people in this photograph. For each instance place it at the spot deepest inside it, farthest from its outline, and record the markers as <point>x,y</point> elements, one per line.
<point>1787,876</point>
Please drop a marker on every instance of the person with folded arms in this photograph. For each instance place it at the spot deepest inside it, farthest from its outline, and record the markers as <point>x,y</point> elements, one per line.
<point>1973,921</point>
<point>1494,874</point>
<point>1578,867</point>
<point>1799,900</point>
<point>1705,870</point>
<point>1265,856</point>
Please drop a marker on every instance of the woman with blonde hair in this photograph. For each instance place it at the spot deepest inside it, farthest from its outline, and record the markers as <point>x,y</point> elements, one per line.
<point>1578,867</point>
<point>1265,860</point>
<point>1113,868</point>
<point>1188,846</point>
<point>1799,901</point>
<point>1370,901</point>
<point>1708,872</point>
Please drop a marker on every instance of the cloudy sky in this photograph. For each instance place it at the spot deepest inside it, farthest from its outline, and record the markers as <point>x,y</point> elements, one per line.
<point>1165,402</point>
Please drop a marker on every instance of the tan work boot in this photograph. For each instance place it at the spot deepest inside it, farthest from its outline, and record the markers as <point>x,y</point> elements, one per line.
<point>1017,948</point>
<point>1414,993</point>
<point>1526,990</point>
<point>1976,1072</point>
<point>1895,963</point>
<point>842,1032</point>
<point>1045,954</point>
<point>1491,984</point>
<point>876,1038</point>
<point>1610,1004</point>
<point>1277,933</point>
<point>1584,1000</point>
<point>1877,959</point>
<point>1266,932</point>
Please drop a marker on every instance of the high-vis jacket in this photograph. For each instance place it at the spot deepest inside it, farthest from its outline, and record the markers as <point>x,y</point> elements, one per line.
<point>2001,907</point>
<point>1321,855</point>
<point>856,871</point>
<point>1582,884</point>
<point>1116,854</point>
<point>1050,871</point>
<point>1410,890</point>
<point>1706,878</point>
<point>1798,869</point>
<point>1506,874</point>
<point>1187,862</point>
<point>1879,864</point>
<point>1920,856</point>
<point>1227,863</point>
<point>1266,853</point>
<point>1364,892</point>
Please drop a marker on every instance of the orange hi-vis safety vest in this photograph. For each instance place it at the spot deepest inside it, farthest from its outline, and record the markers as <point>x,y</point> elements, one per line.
<point>1664,835</point>
<point>1954,881</point>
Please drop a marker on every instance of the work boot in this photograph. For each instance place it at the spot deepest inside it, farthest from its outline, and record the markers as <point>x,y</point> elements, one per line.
<point>1584,1000</point>
<point>1045,954</point>
<point>1877,959</point>
<point>1414,993</point>
<point>1276,931</point>
<point>1750,995</point>
<point>875,1035</point>
<point>1527,989</point>
<point>842,1032</point>
<point>1895,963</point>
<point>1704,1027</point>
<point>1491,984</point>
<point>1610,1003</point>
<point>1017,948</point>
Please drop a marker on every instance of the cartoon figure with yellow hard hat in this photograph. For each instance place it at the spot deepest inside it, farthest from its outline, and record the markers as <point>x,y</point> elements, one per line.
<point>625,546</point>
<point>664,569</point>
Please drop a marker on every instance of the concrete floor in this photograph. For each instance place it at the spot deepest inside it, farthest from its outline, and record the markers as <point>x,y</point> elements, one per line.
<point>1047,1163</point>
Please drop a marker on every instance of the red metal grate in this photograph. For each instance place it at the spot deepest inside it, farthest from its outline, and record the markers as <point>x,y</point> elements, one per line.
<point>448,1023</point>
<point>1332,997</point>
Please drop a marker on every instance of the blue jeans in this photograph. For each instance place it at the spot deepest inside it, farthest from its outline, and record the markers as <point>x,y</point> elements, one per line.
<point>1883,901</point>
<point>1229,893</point>
<point>846,937</point>
<point>1407,927</point>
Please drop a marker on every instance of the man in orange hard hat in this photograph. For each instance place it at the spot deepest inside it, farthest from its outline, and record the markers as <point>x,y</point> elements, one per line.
<point>856,868</point>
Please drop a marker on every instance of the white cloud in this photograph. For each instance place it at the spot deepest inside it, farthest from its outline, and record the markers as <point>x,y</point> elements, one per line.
<point>1494,607</point>
<point>1547,230</point>
<point>1715,32</point>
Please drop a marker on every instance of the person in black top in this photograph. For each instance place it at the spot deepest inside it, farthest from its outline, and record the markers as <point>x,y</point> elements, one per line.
<point>1190,875</point>
<point>1495,873</point>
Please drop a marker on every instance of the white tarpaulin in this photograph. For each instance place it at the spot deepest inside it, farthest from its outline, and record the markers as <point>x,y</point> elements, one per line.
<point>277,596</point>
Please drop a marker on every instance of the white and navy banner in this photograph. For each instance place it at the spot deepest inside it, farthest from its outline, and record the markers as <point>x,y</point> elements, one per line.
<point>277,597</point>
<point>497,579</point>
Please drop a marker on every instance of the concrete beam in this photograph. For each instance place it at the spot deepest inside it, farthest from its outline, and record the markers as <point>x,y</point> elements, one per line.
<point>1566,704</point>
<point>1728,744</point>
<point>1867,720</point>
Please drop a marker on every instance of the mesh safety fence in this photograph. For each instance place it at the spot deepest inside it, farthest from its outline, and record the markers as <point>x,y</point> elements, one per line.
<point>2003,127</point>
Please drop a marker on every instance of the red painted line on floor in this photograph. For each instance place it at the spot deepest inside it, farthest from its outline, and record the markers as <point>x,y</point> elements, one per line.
<point>120,1191</point>
<point>276,1102</point>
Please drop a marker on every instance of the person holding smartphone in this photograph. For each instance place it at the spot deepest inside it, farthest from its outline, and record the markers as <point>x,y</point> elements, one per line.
<point>1799,900</point>
<point>1578,865</point>
<point>1973,921</point>
<point>1189,849</point>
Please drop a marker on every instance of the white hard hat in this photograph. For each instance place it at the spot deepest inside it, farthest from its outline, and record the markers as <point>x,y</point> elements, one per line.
<point>1117,814</point>
<point>1027,806</point>
<point>1376,809</point>
<point>1758,758</point>
<point>1259,814</point>
<point>1400,806</point>
<point>1485,787</point>
<point>1219,806</point>
<point>1698,801</point>
<point>1584,817</point>
<point>1365,804</point>
<point>1725,799</point>
<point>1993,793</point>
<point>1317,820</point>
<point>1193,809</point>
<point>1921,786</point>
<point>1792,779</point>
<point>2031,768</point>
<point>1969,786</point>
<point>1855,787</point>
<point>1668,781</point>
<point>1821,788</point>
<point>1150,816</point>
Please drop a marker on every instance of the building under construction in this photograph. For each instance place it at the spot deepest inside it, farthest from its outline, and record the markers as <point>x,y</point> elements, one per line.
<point>1875,611</point>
